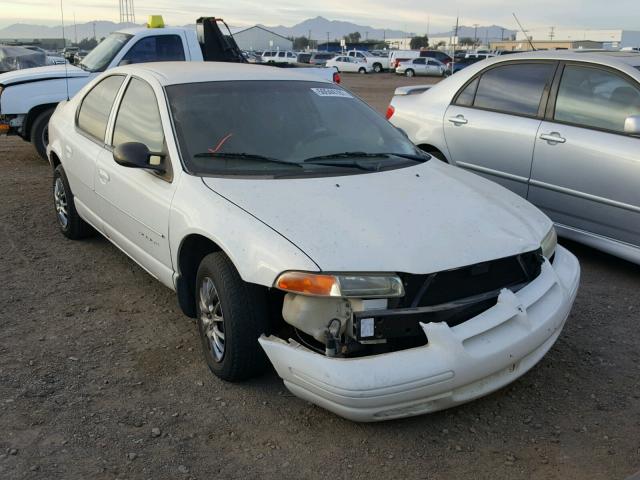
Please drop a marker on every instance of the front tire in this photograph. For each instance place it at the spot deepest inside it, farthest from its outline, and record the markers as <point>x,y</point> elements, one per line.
<point>40,132</point>
<point>69,222</point>
<point>409,73</point>
<point>232,314</point>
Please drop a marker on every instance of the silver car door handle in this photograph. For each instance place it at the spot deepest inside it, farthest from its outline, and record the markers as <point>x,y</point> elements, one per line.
<point>458,120</point>
<point>553,137</point>
<point>103,176</point>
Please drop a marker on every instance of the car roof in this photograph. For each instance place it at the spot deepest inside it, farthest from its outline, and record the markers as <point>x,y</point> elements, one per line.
<point>605,57</point>
<point>173,73</point>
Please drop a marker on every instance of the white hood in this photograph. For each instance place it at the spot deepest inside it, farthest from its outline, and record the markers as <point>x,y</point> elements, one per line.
<point>422,219</point>
<point>42,73</point>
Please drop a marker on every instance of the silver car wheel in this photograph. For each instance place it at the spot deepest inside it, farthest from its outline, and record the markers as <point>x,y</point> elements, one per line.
<point>212,318</point>
<point>60,201</point>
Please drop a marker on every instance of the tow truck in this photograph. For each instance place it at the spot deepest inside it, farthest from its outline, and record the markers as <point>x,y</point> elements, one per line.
<point>29,97</point>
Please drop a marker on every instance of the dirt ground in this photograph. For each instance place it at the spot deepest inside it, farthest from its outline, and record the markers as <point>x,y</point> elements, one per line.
<point>101,376</point>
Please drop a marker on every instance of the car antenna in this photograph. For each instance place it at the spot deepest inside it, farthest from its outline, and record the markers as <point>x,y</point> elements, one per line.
<point>64,42</point>
<point>524,32</point>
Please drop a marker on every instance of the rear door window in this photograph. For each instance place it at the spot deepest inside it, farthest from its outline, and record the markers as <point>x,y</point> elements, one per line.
<point>160,48</point>
<point>596,98</point>
<point>514,88</point>
<point>95,108</point>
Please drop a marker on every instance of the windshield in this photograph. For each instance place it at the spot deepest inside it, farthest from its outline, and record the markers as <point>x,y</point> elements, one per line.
<point>271,128</point>
<point>100,57</point>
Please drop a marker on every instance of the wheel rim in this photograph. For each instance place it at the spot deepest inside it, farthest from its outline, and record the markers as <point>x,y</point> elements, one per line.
<point>60,200</point>
<point>212,318</point>
<point>409,73</point>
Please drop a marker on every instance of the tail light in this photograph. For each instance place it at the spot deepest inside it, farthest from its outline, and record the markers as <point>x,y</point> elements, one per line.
<point>390,112</point>
<point>336,77</point>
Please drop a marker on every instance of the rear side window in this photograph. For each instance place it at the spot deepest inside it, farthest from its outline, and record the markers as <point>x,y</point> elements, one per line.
<point>95,108</point>
<point>161,48</point>
<point>596,98</point>
<point>515,88</point>
<point>138,118</point>
<point>466,96</point>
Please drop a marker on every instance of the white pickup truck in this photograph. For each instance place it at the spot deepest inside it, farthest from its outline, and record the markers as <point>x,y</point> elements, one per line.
<point>29,97</point>
<point>378,63</point>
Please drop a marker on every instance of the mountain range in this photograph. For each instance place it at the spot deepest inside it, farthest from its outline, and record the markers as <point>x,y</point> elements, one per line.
<point>317,27</point>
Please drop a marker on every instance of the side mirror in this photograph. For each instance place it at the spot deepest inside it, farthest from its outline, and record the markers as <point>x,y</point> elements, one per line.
<point>632,125</point>
<point>137,155</point>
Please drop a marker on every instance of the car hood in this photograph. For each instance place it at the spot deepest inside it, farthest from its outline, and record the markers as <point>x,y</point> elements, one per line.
<point>420,219</point>
<point>42,73</point>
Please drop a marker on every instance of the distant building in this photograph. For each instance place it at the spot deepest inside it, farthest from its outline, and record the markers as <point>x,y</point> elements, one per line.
<point>257,38</point>
<point>614,38</point>
<point>399,43</point>
<point>524,45</point>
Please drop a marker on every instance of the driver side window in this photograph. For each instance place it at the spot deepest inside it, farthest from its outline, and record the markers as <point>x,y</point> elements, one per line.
<point>138,118</point>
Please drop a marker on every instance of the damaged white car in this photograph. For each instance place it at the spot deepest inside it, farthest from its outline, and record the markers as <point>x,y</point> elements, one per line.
<point>293,220</point>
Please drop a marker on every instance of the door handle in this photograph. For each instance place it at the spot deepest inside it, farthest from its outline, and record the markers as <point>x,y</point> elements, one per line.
<point>458,120</point>
<point>103,176</point>
<point>553,137</point>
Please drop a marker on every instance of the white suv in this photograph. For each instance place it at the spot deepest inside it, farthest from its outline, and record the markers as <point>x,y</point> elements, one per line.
<point>279,56</point>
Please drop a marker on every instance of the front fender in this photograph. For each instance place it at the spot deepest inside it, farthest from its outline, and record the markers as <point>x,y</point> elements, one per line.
<point>258,252</point>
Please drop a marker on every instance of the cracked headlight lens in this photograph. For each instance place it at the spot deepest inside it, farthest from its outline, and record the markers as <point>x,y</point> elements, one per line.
<point>549,243</point>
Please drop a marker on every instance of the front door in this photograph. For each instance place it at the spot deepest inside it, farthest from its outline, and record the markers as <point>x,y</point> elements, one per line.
<point>491,126</point>
<point>586,169</point>
<point>135,203</point>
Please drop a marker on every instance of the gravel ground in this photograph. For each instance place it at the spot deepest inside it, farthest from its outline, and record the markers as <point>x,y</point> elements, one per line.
<point>101,376</point>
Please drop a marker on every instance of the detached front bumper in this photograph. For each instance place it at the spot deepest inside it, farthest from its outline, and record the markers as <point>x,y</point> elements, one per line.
<point>458,364</point>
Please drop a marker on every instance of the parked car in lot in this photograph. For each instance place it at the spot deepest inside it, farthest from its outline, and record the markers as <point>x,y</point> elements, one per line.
<point>438,55</point>
<point>304,57</point>
<point>320,58</point>
<point>398,56</point>
<point>349,64</point>
<point>378,63</point>
<point>422,66</point>
<point>279,56</point>
<point>559,128</point>
<point>380,283</point>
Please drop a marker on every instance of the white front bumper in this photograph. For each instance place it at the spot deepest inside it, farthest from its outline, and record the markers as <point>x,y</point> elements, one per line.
<point>458,364</point>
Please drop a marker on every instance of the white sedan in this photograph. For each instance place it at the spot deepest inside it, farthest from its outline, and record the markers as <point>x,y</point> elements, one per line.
<point>350,64</point>
<point>293,220</point>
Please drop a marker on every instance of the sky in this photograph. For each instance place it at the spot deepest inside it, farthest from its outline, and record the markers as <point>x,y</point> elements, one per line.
<point>408,15</point>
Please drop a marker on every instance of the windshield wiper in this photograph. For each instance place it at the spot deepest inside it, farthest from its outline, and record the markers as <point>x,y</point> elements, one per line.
<point>349,155</point>
<point>247,156</point>
<point>83,67</point>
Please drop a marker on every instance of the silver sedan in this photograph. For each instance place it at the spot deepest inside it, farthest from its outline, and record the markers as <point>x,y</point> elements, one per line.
<point>421,66</point>
<point>561,129</point>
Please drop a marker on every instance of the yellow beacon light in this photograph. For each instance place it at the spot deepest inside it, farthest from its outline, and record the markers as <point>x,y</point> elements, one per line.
<point>155,21</point>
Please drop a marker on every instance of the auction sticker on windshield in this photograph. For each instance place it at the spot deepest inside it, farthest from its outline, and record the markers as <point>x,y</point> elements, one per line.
<point>331,92</point>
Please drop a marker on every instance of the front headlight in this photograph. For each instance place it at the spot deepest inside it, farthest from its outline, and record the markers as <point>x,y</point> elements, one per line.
<point>549,243</point>
<point>341,285</point>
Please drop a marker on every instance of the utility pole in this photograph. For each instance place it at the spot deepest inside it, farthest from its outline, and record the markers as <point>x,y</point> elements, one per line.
<point>366,36</point>
<point>552,33</point>
<point>94,30</point>
<point>75,27</point>
<point>475,33</point>
<point>502,34</point>
<point>328,33</point>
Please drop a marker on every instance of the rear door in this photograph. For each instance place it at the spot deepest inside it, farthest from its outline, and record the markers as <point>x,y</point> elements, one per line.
<point>586,169</point>
<point>491,125</point>
<point>81,151</point>
<point>419,66</point>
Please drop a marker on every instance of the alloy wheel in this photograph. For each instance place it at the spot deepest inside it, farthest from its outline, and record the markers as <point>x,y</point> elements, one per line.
<point>212,318</point>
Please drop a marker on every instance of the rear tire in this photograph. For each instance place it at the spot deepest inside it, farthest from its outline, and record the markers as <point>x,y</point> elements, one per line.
<point>409,73</point>
<point>40,132</point>
<point>69,222</point>
<point>377,68</point>
<point>362,70</point>
<point>232,314</point>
